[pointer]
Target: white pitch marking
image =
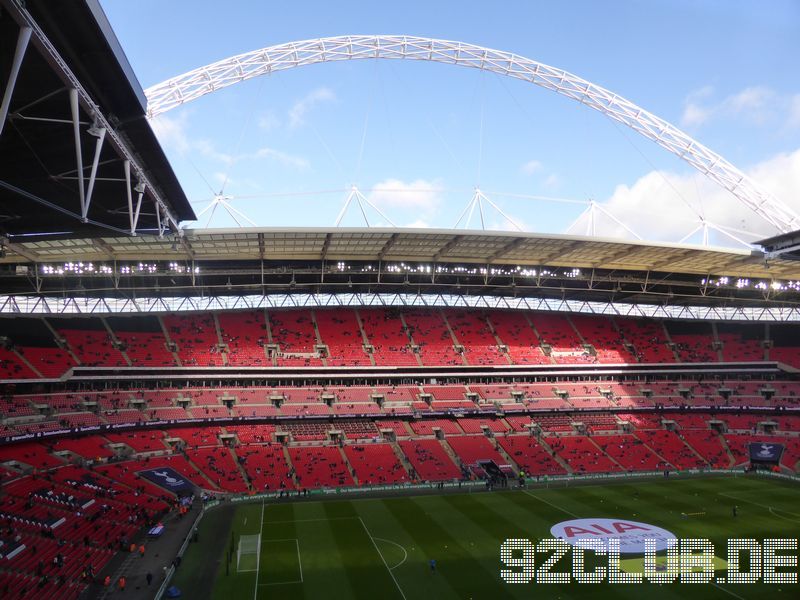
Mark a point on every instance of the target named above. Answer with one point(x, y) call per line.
point(405, 554)
point(551, 504)
point(299, 562)
point(258, 554)
point(757, 504)
point(719, 587)
point(312, 520)
point(378, 550)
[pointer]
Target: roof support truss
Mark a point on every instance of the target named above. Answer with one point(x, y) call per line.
point(80, 100)
point(16, 305)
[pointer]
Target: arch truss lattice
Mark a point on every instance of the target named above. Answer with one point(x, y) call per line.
point(221, 74)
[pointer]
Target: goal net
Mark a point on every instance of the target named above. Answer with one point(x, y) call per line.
point(248, 553)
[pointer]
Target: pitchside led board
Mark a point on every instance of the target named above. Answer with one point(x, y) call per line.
point(169, 479)
point(767, 454)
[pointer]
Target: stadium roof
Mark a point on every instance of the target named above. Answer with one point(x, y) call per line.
point(74, 81)
point(411, 245)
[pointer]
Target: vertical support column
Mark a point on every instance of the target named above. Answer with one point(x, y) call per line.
point(22, 45)
point(101, 135)
point(76, 130)
point(127, 166)
point(161, 229)
point(139, 189)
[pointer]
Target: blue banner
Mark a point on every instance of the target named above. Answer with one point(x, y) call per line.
point(765, 452)
point(169, 479)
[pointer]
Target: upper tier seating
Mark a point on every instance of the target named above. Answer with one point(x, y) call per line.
point(604, 338)
point(93, 347)
point(386, 333)
point(146, 348)
point(739, 347)
point(556, 331)
point(13, 367)
point(294, 333)
point(339, 330)
point(472, 331)
point(245, 334)
point(649, 339)
point(387, 336)
point(50, 362)
point(431, 334)
point(514, 330)
point(196, 337)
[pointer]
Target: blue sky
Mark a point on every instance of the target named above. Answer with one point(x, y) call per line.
point(418, 138)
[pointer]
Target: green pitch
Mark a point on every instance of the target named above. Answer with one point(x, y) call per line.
point(380, 548)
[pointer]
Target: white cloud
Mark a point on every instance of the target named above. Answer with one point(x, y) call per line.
point(531, 167)
point(221, 178)
point(552, 181)
point(268, 121)
point(418, 224)
point(288, 160)
point(419, 194)
point(173, 134)
point(758, 105)
point(794, 112)
point(419, 200)
point(207, 148)
point(694, 113)
point(664, 206)
point(299, 110)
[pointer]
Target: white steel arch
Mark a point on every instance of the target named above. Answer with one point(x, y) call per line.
point(199, 82)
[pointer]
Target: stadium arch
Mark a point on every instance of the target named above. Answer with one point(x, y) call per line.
point(184, 88)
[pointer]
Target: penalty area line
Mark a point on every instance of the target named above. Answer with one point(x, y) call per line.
point(378, 550)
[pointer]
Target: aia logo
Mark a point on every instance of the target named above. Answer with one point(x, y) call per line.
point(631, 534)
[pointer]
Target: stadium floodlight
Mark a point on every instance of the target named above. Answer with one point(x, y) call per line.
point(221, 74)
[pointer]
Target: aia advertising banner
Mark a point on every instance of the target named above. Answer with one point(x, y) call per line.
point(169, 479)
point(765, 452)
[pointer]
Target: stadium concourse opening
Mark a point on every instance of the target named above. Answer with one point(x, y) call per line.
point(348, 413)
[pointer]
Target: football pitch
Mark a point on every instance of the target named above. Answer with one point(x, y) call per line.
point(381, 548)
